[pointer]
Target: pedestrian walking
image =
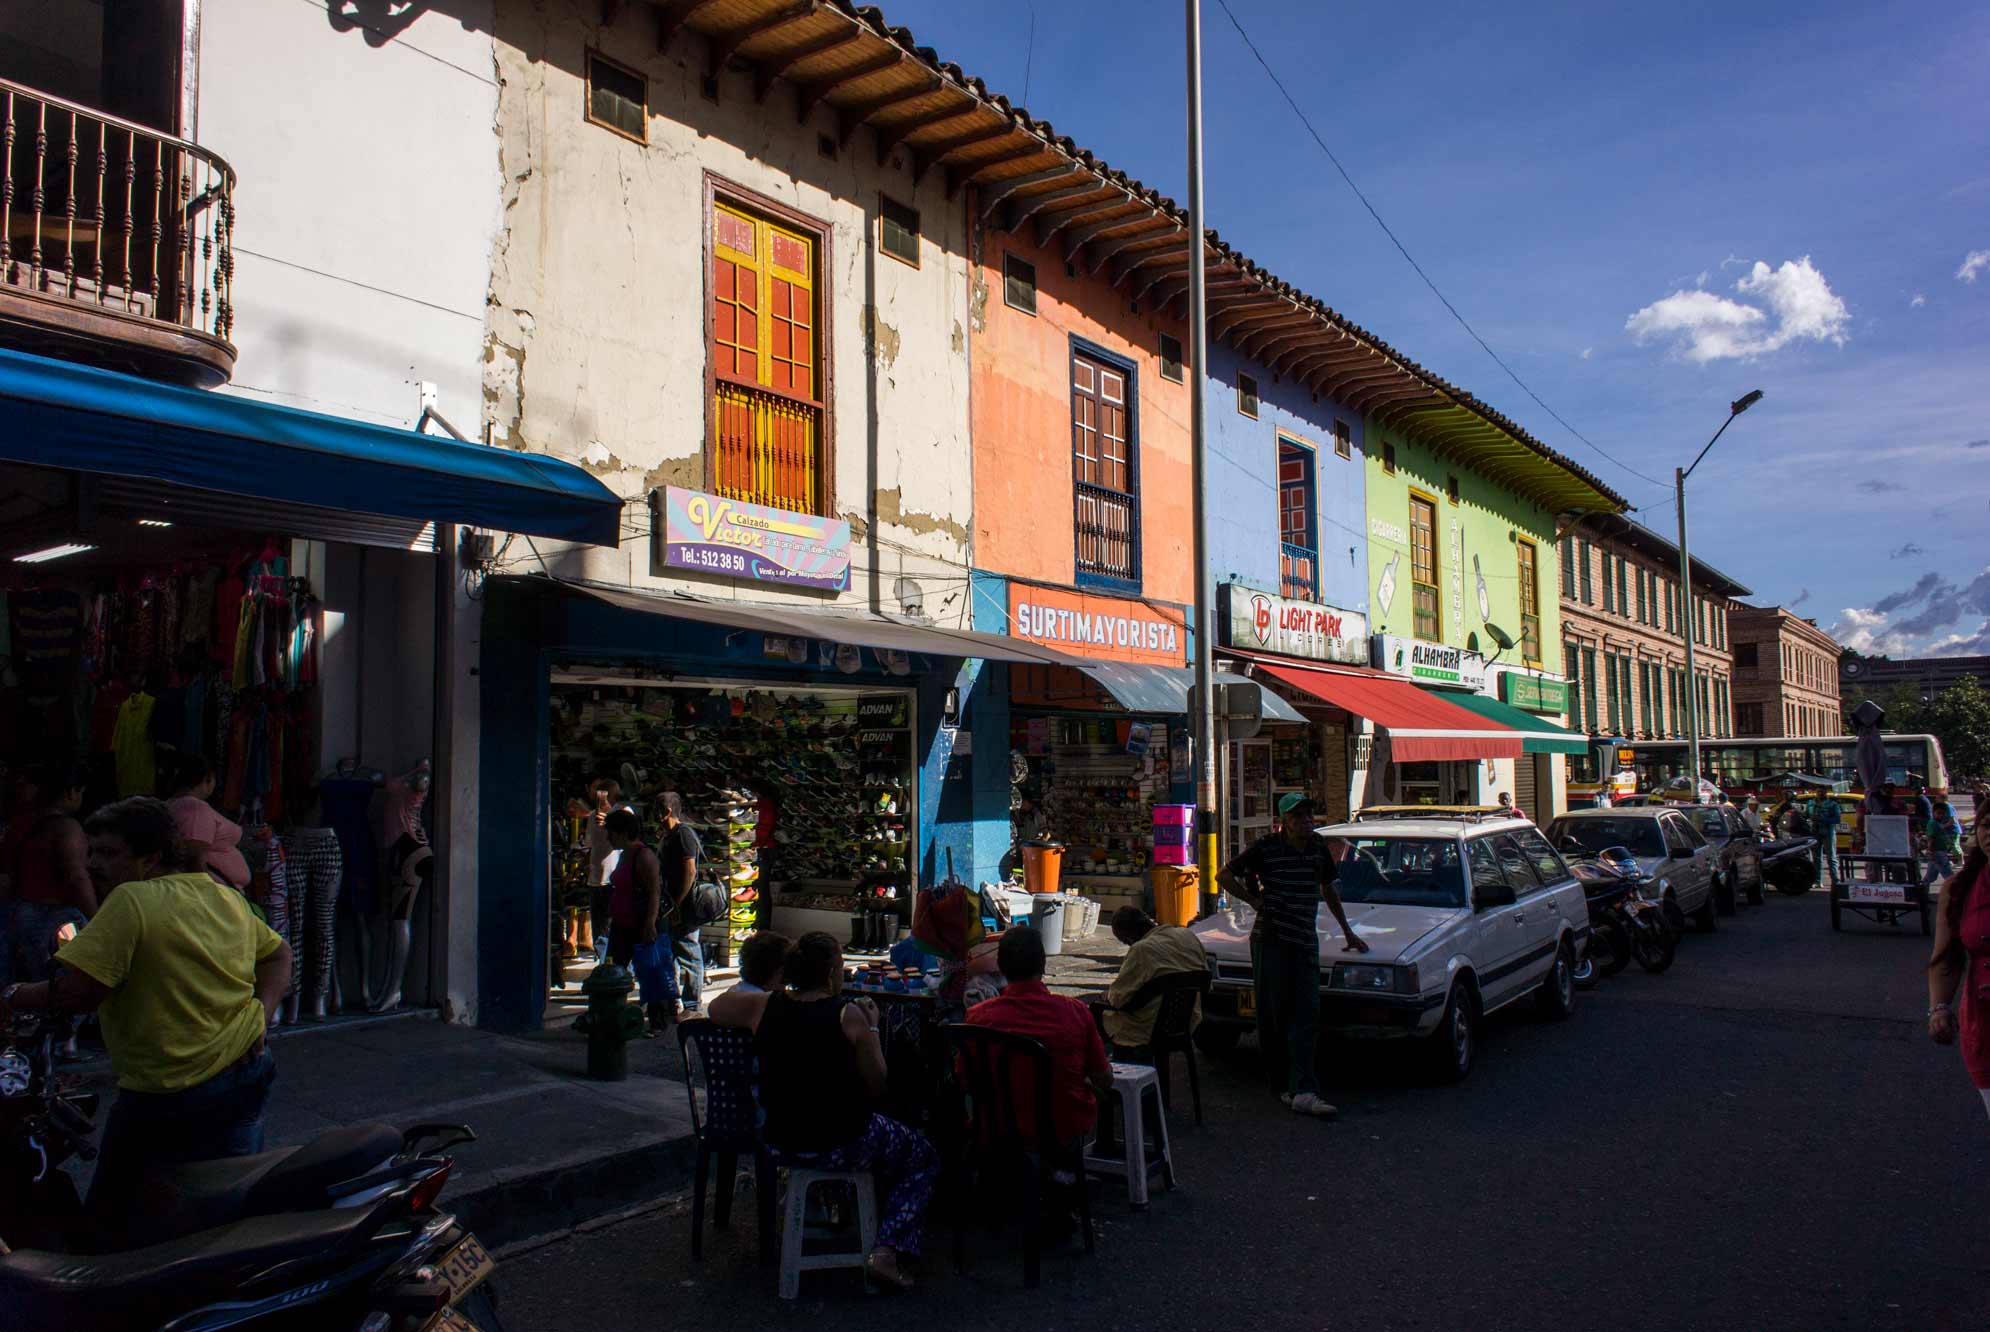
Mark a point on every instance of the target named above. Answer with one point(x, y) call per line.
point(1944, 843)
point(1961, 959)
point(680, 850)
point(635, 923)
point(185, 980)
point(1285, 877)
point(1825, 816)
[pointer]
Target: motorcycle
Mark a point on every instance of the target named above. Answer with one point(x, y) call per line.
point(341, 1234)
point(1624, 924)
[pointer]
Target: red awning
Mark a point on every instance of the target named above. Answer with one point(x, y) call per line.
point(1422, 727)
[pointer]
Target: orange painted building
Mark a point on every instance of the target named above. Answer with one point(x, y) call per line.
point(1081, 443)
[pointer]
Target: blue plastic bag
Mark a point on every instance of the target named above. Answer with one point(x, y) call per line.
point(651, 962)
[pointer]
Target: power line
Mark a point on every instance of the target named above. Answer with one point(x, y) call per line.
point(1411, 259)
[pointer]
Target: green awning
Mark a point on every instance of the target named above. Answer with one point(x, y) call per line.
point(1538, 735)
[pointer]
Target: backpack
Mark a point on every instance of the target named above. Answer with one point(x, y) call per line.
point(705, 903)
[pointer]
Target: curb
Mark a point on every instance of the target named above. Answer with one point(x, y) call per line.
point(538, 1202)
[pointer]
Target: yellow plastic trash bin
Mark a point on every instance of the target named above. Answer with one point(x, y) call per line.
point(1176, 890)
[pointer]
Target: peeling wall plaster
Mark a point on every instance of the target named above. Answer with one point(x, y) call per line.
point(596, 339)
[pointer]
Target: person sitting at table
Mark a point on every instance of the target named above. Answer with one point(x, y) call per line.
point(1080, 1076)
point(1152, 951)
point(761, 958)
point(821, 1068)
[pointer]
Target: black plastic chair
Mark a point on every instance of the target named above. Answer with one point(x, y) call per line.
point(1174, 1025)
point(996, 1139)
point(720, 1061)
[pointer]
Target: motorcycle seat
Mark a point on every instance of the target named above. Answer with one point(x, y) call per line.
point(181, 1199)
point(142, 1288)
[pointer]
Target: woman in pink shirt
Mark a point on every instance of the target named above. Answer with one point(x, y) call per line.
point(215, 841)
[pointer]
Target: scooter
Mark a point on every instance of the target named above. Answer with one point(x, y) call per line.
point(1624, 924)
point(343, 1233)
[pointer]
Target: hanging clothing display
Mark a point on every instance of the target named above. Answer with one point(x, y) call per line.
point(131, 742)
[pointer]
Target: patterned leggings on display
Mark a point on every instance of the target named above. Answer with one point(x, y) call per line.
point(316, 867)
point(285, 912)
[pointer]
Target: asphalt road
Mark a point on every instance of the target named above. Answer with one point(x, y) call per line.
point(1761, 1138)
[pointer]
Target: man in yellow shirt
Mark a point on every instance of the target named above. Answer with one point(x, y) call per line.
point(1151, 951)
point(184, 979)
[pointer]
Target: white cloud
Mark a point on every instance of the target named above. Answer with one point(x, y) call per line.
point(1587, 352)
point(1918, 301)
point(1780, 306)
point(1973, 263)
point(1703, 279)
point(1865, 631)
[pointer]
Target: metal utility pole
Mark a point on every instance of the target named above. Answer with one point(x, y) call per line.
point(1679, 475)
point(1207, 811)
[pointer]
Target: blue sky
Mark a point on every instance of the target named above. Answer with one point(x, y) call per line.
point(1594, 186)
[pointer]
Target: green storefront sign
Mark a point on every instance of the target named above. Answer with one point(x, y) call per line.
point(1534, 693)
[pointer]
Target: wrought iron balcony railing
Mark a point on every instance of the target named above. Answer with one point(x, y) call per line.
point(1107, 529)
point(1298, 572)
point(116, 241)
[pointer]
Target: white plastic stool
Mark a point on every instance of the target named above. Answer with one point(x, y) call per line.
point(1132, 1085)
point(794, 1212)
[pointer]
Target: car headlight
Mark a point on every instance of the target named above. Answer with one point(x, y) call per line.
point(1365, 976)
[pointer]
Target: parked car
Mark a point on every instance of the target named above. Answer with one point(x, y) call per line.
point(1463, 914)
point(1667, 846)
point(1738, 872)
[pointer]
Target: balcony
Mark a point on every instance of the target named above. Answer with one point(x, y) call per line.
point(1298, 572)
point(1106, 525)
point(116, 242)
point(767, 448)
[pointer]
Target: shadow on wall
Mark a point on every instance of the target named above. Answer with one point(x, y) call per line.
point(381, 21)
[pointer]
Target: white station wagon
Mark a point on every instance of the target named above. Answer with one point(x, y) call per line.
point(1463, 912)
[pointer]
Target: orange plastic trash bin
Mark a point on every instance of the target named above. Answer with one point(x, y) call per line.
point(1043, 863)
point(1176, 890)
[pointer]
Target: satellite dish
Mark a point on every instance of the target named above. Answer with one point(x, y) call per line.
point(1499, 636)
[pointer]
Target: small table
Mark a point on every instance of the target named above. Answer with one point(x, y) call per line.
point(1889, 889)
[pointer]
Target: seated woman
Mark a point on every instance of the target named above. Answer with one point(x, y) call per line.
point(821, 1067)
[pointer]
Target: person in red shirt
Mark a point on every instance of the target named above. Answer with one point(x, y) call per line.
point(1080, 1076)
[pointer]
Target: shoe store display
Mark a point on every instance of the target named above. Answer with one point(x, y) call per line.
point(835, 828)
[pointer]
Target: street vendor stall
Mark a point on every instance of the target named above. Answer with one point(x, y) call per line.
point(1882, 882)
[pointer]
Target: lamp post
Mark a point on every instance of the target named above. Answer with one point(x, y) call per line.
point(1734, 409)
point(1205, 593)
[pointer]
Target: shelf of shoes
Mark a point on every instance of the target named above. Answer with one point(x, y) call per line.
point(843, 811)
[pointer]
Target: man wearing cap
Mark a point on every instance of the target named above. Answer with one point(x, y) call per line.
point(1285, 877)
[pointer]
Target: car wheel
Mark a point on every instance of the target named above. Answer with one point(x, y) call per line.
point(1217, 1038)
point(1556, 997)
point(1455, 1043)
point(1703, 919)
point(1724, 895)
point(1675, 919)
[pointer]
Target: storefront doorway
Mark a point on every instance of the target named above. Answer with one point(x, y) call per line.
point(805, 799)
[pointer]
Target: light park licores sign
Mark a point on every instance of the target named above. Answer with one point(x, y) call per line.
point(1260, 622)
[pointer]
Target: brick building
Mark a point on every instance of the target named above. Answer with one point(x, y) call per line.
point(1785, 674)
point(1623, 620)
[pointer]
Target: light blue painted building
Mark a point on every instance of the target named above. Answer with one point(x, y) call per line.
point(1293, 468)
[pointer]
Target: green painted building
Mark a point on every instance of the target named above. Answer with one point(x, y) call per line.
point(1462, 559)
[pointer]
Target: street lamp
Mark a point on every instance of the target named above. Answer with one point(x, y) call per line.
point(1734, 409)
point(1206, 794)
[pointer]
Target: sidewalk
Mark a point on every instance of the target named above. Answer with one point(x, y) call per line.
point(553, 1149)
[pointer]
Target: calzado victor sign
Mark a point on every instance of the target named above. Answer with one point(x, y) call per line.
point(1262, 622)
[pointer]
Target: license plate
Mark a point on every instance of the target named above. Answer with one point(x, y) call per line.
point(1890, 894)
point(463, 1267)
point(1247, 1003)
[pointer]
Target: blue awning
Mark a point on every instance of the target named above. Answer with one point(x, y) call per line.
point(1163, 690)
point(54, 414)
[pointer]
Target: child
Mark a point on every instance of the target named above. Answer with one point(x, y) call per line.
point(215, 841)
